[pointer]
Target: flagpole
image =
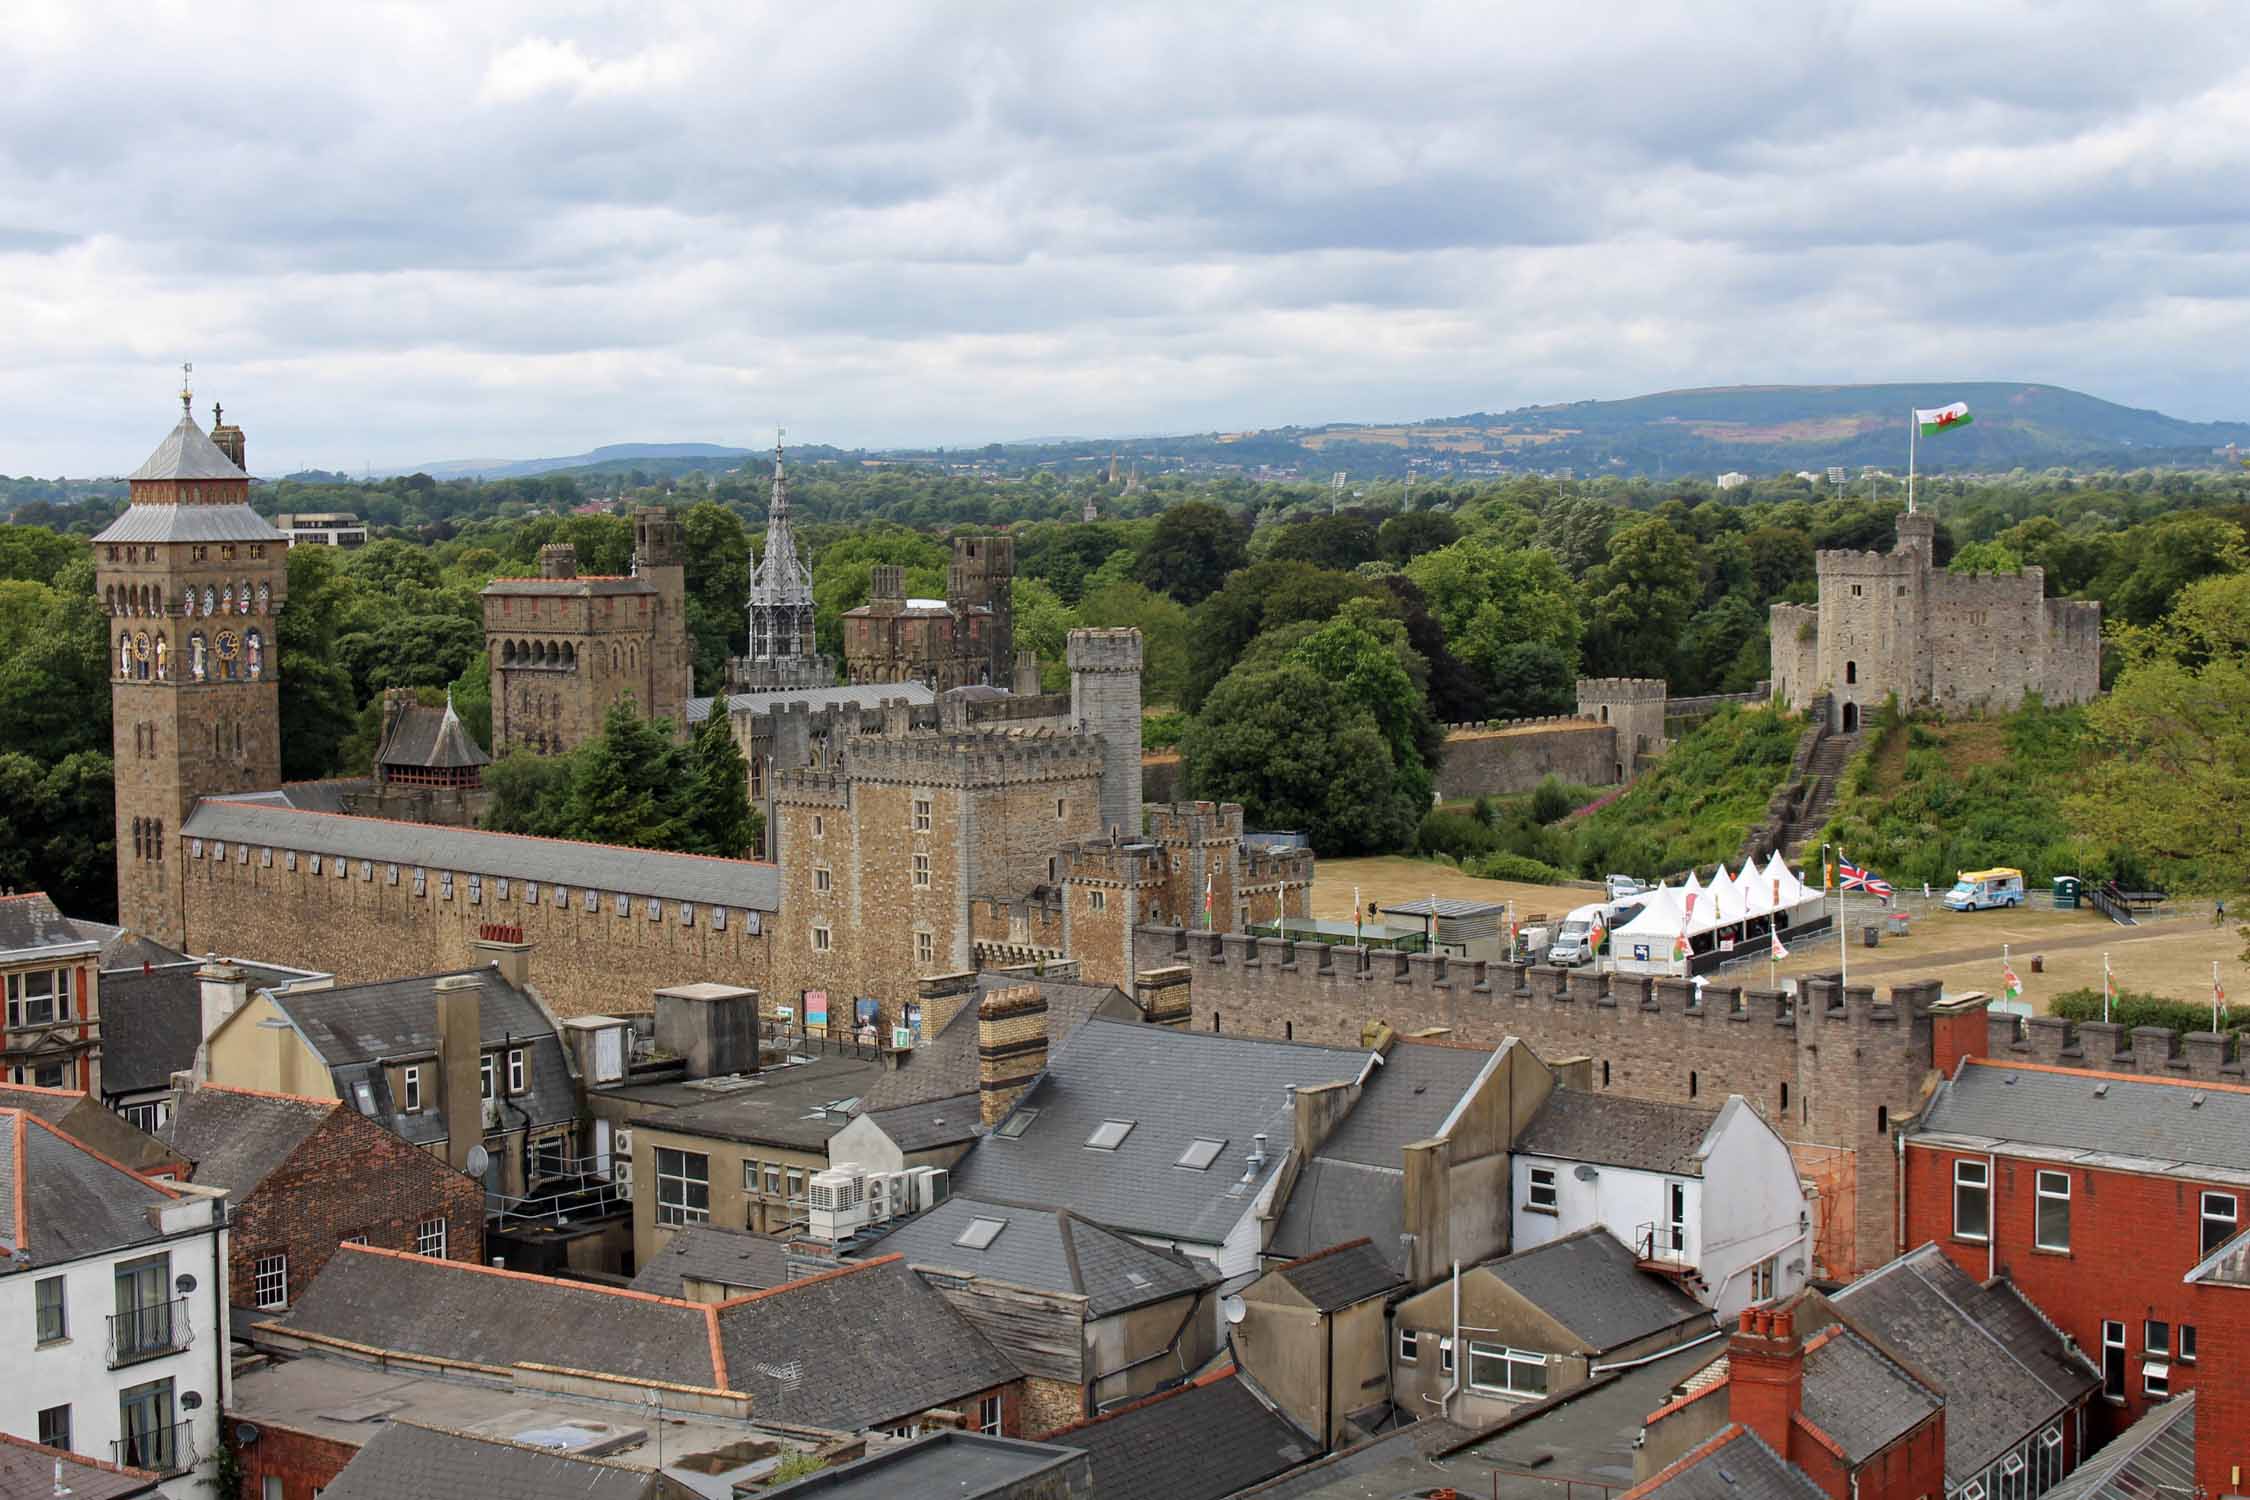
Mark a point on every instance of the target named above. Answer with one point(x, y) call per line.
point(1913, 431)
point(2105, 989)
point(2214, 994)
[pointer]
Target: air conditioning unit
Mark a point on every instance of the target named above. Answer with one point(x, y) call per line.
point(621, 1163)
point(879, 1202)
point(837, 1203)
point(932, 1186)
point(491, 1114)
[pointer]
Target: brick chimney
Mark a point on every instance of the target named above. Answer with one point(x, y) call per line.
point(1766, 1374)
point(942, 996)
point(501, 945)
point(1011, 1048)
point(460, 1049)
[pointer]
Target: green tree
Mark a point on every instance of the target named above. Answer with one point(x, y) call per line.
point(59, 834)
point(1363, 653)
point(1255, 600)
point(2165, 557)
point(1163, 624)
point(1195, 546)
point(2171, 777)
point(1281, 740)
point(1043, 625)
point(1984, 557)
point(1528, 679)
point(1642, 598)
point(36, 554)
point(1341, 542)
point(625, 783)
point(718, 818)
point(530, 793)
point(1406, 537)
point(54, 679)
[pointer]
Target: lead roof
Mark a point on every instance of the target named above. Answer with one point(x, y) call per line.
point(186, 453)
point(604, 868)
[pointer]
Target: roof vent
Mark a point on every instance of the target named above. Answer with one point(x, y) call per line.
point(2195, 1100)
point(2101, 1091)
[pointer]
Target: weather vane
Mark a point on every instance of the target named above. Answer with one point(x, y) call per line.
point(187, 395)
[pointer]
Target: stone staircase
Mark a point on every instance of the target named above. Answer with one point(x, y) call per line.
point(1822, 773)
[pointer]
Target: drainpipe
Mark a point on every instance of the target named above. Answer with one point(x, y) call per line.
point(1991, 1213)
point(219, 1304)
point(1898, 1238)
point(1460, 1355)
point(1328, 1386)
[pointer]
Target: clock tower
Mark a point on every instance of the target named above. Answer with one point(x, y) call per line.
point(191, 579)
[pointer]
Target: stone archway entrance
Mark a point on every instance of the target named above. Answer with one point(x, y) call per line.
point(1851, 718)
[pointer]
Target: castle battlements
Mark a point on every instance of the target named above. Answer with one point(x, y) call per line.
point(1185, 823)
point(1109, 649)
point(1622, 689)
point(2107, 1047)
point(967, 759)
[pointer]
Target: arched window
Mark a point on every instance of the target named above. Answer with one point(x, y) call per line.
point(124, 653)
point(199, 658)
point(265, 598)
point(148, 601)
point(632, 656)
point(140, 846)
point(1851, 671)
point(156, 599)
point(507, 653)
point(616, 659)
point(570, 657)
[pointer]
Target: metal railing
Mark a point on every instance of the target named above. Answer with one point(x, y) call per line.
point(148, 1332)
point(584, 1187)
point(168, 1449)
point(1653, 1242)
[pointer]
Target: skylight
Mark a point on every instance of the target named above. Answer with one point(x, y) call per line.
point(1200, 1154)
point(1110, 1134)
point(1016, 1124)
point(981, 1233)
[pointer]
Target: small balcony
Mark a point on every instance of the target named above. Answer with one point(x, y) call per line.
point(149, 1332)
point(163, 1450)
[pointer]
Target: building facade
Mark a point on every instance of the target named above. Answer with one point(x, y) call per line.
point(191, 579)
point(565, 648)
point(50, 972)
point(966, 639)
point(1894, 624)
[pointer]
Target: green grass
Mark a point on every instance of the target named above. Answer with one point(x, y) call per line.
point(1699, 804)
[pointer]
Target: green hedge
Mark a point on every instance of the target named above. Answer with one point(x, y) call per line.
point(2132, 1008)
point(1506, 866)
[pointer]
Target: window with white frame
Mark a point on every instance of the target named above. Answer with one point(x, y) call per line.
point(1500, 1370)
point(749, 1174)
point(823, 879)
point(148, 1117)
point(921, 815)
point(1445, 1356)
point(1972, 1200)
point(1409, 1346)
point(683, 1186)
point(2156, 1380)
point(1542, 1192)
point(820, 940)
point(2219, 1213)
point(2051, 1226)
point(2187, 1343)
point(2113, 1360)
point(922, 870)
point(796, 1177)
point(484, 1076)
point(1762, 1278)
point(410, 1089)
point(2156, 1338)
point(519, 1070)
point(429, 1238)
point(773, 1179)
point(270, 1283)
point(988, 1415)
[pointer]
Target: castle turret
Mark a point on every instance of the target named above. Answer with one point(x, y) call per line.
point(1105, 699)
point(781, 650)
point(659, 558)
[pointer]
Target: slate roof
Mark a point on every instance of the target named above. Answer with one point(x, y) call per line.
point(606, 868)
point(1335, 1201)
point(1735, 1465)
point(864, 694)
point(28, 1469)
point(944, 1463)
point(386, 1299)
point(190, 523)
point(586, 583)
point(31, 922)
point(1407, 1099)
point(936, 1122)
point(2004, 1369)
point(1588, 1282)
point(2152, 1458)
point(352, 1028)
point(430, 1464)
point(855, 1348)
point(1197, 1442)
point(430, 739)
point(2158, 1122)
point(186, 453)
point(236, 1138)
point(945, 1063)
point(60, 1202)
point(1050, 1249)
point(1342, 1276)
point(152, 1020)
point(92, 1124)
point(1858, 1396)
point(1611, 1130)
point(715, 1253)
point(1175, 1087)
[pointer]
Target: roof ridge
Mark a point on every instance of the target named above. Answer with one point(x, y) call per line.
point(482, 1270)
point(2010, 1064)
point(327, 1105)
point(1813, 1430)
point(103, 1157)
point(1688, 1460)
point(1213, 1378)
point(34, 1088)
point(25, 896)
point(1318, 1254)
point(244, 800)
point(22, 1211)
point(803, 1281)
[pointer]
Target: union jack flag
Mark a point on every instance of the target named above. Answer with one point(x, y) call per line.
point(1858, 879)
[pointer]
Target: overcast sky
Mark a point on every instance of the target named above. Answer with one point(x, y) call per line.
point(395, 233)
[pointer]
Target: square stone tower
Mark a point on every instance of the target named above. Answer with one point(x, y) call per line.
point(1105, 699)
point(191, 579)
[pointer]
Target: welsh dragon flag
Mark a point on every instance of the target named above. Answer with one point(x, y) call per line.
point(1942, 418)
point(2010, 987)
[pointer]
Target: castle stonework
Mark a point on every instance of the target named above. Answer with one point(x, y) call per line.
point(564, 648)
point(1892, 623)
point(966, 639)
point(1105, 700)
point(1634, 707)
point(191, 579)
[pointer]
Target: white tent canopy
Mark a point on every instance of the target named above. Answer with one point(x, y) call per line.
point(1730, 906)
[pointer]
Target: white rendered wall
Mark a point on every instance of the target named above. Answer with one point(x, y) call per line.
point(1753, 1207)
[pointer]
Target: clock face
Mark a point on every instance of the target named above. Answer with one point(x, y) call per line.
point(140, 647)
point(230, 645)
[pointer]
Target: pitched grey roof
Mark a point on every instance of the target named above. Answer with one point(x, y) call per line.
point(2153, 1457)
point(186, 453)
point(190, 523)
point(2156, 1121)
point(1339, 1277)
point(864, 694)
point(856, 1348)
point(31, 922)
point(607, 868)
point(152, 1019)
point(1050, 1249)
point(714, 1253)
point(1859, 1397)
point(404, 1459)
point(1739, 1467)
point(430, 739)
point(2005, 1371)
point(1176, 1087)
point(1407, 1099)
point(1588, 1282)
point(388, 1300)
point(953, 1463)
point(353, 1027)
point(72, 1203)
point(1195, 1443)
point(1613, 1131)
point(1335, 1201)
point(945, 1064)
point(236, 1138)
point(932, 1123)
point(28, 1469)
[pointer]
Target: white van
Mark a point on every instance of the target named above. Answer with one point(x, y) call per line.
point(1975, 890)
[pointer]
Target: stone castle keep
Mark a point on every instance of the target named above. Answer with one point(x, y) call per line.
point(1891, 622)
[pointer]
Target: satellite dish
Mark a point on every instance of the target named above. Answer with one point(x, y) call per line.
point(1233, 1308)
point(191, 1400)
point(245, 1434)
point(183, 1284)
point(480, 1160)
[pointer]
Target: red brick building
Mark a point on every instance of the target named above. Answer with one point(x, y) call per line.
point(305, 1175)
point(2116, 1202)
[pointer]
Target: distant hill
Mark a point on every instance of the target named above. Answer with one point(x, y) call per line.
point(619, 456)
